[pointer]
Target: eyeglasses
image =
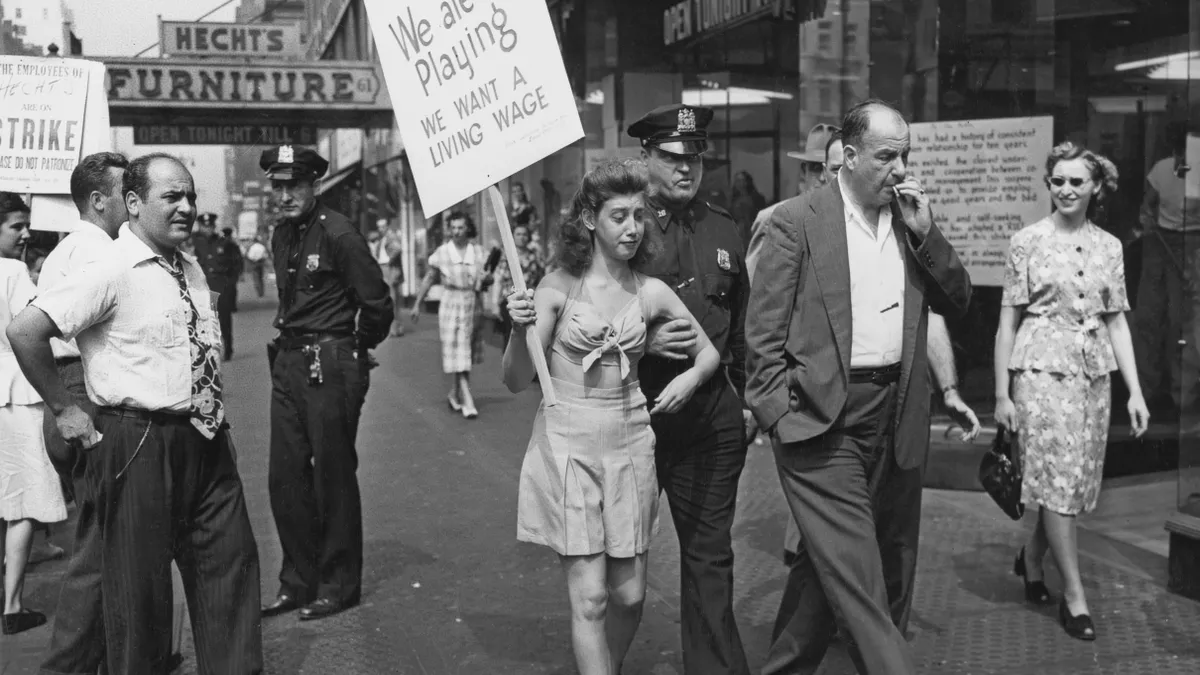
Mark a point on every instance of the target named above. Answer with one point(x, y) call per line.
point(1059, 181)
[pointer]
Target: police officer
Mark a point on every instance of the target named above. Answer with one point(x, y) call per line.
point(333, 307)
point(220, 259)
point(702, 448)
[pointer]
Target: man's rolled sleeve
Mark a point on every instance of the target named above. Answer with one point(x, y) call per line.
point(364, 278)
point(769, 314)
point(82, 298)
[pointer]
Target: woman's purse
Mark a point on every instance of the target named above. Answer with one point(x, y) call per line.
point(1000, 474)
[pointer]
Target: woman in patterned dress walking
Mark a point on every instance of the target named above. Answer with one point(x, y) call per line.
point(458, 266)
point(1062, 331)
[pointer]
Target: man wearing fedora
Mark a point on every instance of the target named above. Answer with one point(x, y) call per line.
point(820, 161)
point(702, 448)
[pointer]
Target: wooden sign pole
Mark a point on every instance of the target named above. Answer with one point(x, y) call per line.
point(532, 341)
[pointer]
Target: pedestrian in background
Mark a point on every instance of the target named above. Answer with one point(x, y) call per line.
point(235, 249)
point(532, 268)
point(701, 448)
point(151, 356)
point(385, 248)
point(333, 308)
point(458, 266)
point(746, 202)
point(77, 643)
point(1062, 331)
point(29, 487)
point(220, 259)
point(588, 488)
point(838, 361)
point(257, 256)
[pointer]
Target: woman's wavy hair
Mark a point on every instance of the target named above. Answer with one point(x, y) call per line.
point(1104, 172)
point(472, 232)
point(616, 178)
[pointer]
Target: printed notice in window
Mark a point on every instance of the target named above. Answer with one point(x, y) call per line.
point(985, 182)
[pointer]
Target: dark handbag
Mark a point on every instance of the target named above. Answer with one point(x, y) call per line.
point(1000, 474)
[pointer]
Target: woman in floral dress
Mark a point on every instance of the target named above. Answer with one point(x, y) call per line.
point(1062, 331)
point(458, 265)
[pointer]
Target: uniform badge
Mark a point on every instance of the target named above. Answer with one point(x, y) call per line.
point(723, 259)
point(287, 155)
point(687, 121)
point(313, 262)
point(662, 213)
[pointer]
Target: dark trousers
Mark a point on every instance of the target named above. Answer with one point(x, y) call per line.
point(841, 488)
point(700, 454)
point(314, 489)
point(258, 271)
point(77, 643)
point(164, 492)
point(1166, 320)
point(225, 306)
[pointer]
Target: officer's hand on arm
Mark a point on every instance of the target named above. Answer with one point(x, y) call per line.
point(671, 340)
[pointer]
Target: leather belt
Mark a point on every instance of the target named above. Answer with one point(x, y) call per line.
point(67, 360)
point(301, 340)
point(880, 375)
point(141, 415)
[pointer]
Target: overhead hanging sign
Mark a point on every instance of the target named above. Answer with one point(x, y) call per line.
point(224, 134)
point(484, 88)
point(984, 179)
point(42, 105)
point(189, 38)
point(206, 83)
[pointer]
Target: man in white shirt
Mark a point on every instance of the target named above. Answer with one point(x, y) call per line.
point(77, 644)
point(257, 255)
point(837, 355)
point(160, 464)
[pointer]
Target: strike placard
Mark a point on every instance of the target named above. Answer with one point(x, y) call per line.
point(481, 90)
point(984, 181)
point(41, 122)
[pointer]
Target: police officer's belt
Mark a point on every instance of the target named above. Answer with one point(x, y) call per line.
point(881, 375)
point(302, 340)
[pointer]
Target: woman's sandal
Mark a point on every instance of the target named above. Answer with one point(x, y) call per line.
point(1035, 591)
point(21, 621)
point(453, 402)
point(1079, 627)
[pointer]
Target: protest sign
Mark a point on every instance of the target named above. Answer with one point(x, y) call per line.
point(984, 179)
point(41, 122)
point(480, 90)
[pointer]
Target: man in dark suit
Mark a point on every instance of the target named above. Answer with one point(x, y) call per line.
point(838, 373)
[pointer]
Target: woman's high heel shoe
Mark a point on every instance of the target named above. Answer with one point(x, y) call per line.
point(1035, 591)
point(1079, 627)
point(469, 411)
point(453, 403)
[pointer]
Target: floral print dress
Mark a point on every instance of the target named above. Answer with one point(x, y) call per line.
point(1061, 360)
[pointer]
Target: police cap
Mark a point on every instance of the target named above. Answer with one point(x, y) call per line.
point(287, 162)
point(677, 129)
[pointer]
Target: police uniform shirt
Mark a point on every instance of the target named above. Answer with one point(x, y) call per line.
point(703, 260)
point(326, 276)
point(217, 256)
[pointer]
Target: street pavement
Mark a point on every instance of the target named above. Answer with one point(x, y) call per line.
point(449, 590)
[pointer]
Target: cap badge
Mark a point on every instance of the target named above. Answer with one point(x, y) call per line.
point(313, 262)
point(286, 154)
point(687, 121)
point(723, 259)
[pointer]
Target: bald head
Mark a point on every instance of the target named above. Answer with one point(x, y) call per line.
point(875, 145)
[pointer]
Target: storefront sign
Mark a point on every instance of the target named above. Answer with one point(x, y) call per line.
point(984, 179)
point(690, 20)
point(203, 83)
point(484, 88)
point(181, 38)
point(223, 134)
point(41, 122)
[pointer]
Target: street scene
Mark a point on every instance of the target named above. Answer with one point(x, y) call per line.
point(786, 337)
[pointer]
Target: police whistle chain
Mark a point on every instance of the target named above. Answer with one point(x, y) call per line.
point(532, 341)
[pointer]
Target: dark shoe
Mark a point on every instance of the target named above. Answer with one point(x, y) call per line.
point(322, 608)
point(1079, 627)
point(283, 603)
point(1035, 591)
point(174, 661)
point(22, 621)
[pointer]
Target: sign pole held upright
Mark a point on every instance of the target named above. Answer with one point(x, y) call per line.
point(537, 352)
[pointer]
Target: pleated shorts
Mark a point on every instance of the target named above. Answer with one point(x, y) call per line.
point(588, 482)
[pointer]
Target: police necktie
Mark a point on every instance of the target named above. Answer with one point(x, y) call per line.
point(207, 410)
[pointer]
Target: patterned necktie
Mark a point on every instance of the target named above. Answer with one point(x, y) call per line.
point(206, 409)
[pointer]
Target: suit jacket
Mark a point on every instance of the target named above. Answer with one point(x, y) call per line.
point(798, 327)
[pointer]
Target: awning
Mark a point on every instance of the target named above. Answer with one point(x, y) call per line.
point(330, 182)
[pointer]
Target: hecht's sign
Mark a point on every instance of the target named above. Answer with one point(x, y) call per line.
point(181, 38)
point(203, 83)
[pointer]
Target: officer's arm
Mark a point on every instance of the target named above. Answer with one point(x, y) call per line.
point(364, 279)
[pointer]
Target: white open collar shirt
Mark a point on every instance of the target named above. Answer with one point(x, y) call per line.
point(876, 287)
point(131, 324)
point(86, 244)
